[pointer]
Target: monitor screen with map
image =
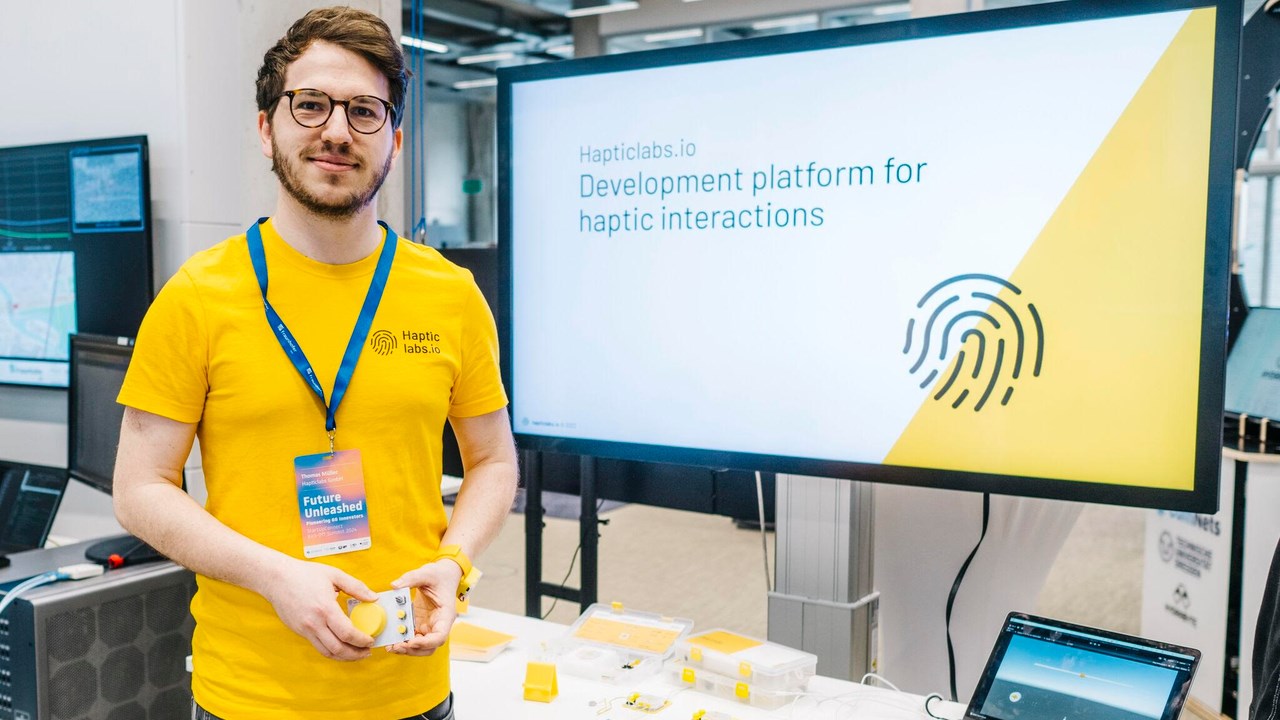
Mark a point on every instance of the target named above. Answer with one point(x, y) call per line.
point(75, 251)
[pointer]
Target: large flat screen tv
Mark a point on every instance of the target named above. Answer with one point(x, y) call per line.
point(75, 251)
point(984, 252)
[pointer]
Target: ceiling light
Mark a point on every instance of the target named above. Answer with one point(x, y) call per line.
point(602, 9)
point(687, 34)
point(484, 58)
point(893, 9)
point(562, 50)
point(473, 84)
point(785, 22)
point(427, 45)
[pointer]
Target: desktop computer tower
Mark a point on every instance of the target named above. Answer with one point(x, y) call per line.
point(108, 648)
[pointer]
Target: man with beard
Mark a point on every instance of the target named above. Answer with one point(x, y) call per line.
point(321, 445)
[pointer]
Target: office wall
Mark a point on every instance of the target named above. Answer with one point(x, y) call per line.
point(86, 82)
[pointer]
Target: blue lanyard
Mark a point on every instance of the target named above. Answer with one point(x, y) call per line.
point(358, 335)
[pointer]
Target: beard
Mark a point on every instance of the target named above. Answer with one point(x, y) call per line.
point(287, 170)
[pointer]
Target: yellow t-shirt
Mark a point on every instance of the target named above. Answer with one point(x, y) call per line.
point(206, 355)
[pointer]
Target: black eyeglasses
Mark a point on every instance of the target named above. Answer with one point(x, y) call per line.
point(312, 108)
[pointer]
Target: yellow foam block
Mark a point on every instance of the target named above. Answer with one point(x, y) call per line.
point(540, 682)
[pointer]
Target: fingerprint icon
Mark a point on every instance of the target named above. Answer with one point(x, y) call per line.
point(982, 343)
point(383, 342)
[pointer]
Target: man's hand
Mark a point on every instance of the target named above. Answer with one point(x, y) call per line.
point(305, 595)
point(434, 605)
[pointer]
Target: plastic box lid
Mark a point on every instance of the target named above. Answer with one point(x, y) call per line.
point(633, 632)
point(766, 665)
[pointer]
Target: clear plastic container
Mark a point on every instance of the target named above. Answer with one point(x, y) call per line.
point(762, 664)
point(610, 643)
point(729, 688)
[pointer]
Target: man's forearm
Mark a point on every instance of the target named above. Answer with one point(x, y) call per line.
point(482, 506)
point(169, 520)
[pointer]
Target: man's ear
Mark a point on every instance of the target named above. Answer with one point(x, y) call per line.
point(264, 133)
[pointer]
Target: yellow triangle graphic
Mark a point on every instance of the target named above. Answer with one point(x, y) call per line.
point(1115, 401)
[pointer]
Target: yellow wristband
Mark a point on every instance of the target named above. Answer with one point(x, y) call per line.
point(470, 575)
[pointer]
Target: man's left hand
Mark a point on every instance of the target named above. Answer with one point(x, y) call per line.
point(434, 606)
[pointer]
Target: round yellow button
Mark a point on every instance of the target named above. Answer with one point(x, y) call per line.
point(369, 618)
point(402, 629)
point(400, 614)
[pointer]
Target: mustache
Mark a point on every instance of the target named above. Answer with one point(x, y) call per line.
point(328, 148)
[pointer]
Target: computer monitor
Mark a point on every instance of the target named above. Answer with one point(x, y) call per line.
point(985, 251)
point(75, 250)
point(98, 366)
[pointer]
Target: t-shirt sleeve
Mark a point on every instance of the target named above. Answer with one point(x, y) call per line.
point(169, 372)
point(478, 388)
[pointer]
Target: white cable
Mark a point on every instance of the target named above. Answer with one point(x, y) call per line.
point(881, 678)
point(764, 536)
point(79, 571)
point(24, 586)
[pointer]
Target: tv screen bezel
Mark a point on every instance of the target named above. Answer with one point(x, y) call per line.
point(1202, 498)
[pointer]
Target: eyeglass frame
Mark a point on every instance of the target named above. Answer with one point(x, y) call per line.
point(346, 109)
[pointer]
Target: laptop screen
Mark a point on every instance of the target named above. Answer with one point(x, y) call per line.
point(1043, 669)
point(29, 498)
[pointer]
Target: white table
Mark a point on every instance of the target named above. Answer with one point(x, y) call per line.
point(495, 689)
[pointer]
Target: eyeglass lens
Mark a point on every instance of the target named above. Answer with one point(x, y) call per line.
point(311, 108)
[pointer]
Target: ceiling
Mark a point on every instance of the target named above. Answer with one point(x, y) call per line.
point(462, 43)
point(515, 32)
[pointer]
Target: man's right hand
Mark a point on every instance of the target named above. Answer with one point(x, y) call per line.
point(305, 594)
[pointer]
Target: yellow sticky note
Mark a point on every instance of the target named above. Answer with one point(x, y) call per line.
point(725, 642)
point(476, 636)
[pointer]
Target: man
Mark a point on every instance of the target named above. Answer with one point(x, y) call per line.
point(277, 552)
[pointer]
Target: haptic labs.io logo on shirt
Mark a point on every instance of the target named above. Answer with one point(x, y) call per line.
point(415, 342)
point(1001, 341)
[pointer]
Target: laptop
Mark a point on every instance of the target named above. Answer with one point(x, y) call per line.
point(29, 498)
point(1043, 669)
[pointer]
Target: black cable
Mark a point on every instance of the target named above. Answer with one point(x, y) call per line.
point(928, 711)
point(128, 555)
point(955, 587)
point(564, 580)
point(572, 560)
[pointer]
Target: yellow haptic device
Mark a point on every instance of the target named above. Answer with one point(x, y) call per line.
point(387, 620)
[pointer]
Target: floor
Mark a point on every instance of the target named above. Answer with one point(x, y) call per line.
point(702, 567)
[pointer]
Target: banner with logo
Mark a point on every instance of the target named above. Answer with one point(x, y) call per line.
point(1186, 572)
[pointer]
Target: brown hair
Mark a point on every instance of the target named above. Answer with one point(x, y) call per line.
point(356, 30)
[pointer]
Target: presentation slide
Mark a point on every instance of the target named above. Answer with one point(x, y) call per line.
point(976, 252)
